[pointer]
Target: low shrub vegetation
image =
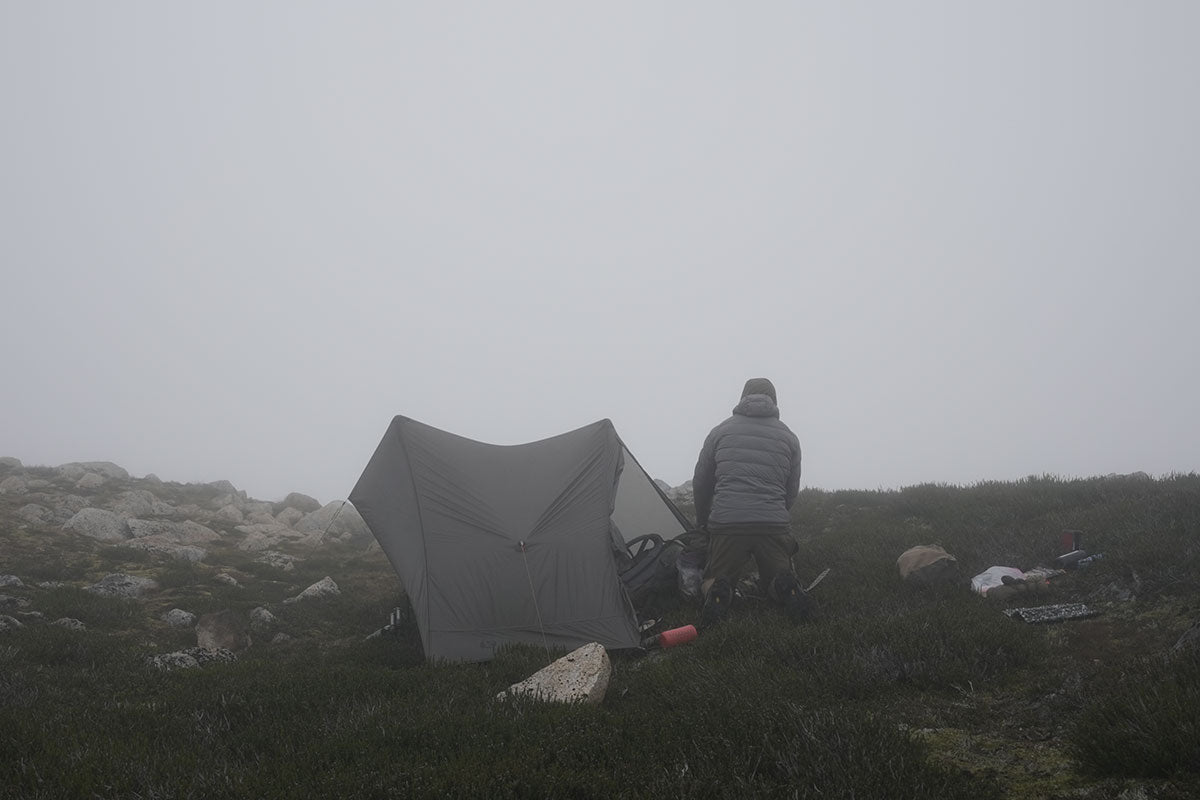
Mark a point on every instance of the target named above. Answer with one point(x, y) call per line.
point(894, 691)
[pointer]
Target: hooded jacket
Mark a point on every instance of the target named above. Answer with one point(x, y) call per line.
point(748, 472)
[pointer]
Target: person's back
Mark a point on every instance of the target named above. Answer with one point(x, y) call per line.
point(746, 479)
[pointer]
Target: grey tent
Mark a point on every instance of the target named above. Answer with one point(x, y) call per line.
point(497, 544)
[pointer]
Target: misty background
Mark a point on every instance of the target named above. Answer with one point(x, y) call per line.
point(961, 239)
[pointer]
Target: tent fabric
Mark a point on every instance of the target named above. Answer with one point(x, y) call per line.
point(499, 544)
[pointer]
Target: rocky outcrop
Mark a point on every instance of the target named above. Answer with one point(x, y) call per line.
point(11, 580)
point(580, 676)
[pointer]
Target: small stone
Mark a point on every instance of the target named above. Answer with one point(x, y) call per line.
point(262, 620)
point(10, 580)
point(228, 580)
point(178, 618)
point(70, 623)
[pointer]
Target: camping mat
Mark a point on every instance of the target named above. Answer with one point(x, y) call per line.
point(1052, 613)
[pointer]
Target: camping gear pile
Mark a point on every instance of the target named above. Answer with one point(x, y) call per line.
point(927, 565)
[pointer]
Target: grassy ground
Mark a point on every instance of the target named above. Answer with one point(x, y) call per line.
point(895, 692)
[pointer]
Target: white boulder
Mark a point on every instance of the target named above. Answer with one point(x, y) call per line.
point(580, 676)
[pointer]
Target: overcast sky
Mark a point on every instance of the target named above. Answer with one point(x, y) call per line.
point(963, 239)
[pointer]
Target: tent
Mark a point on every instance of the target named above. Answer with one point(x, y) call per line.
point(497, 544)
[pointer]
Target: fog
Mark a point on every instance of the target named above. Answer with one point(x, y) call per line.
point(962, 239)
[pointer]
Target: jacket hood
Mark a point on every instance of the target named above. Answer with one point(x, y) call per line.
point(756, 405)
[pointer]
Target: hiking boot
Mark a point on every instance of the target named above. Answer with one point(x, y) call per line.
point(795, 601)
point(716, 603)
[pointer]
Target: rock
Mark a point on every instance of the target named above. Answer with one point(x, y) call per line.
point(256, 541)
point(258, 507)
point(10, 580)
point(580, 676)
point(70, 504)
point(122, 585)
point(99, 524)
point(10, 463)
point(264, 536)
point(191, 658)
point(90, 480)
point(70, 623)
point(50, 584)
point(8, 623)
point(289, 516)
point(228, 580)
point(36, 616)
point(261, 518)
point(274, 558)
point(179, 552)
point(225, 487)
point(106, 469)
point(12, 485)
point(186, 532)
point(227, 499)
point(222, 630)
point(140, 503)
point(682, 493)
point(38, 515)
point(262, 620)
point(338, 520)
point(322, 588)
point(71, 472)
point(178, 618)
point(153, 479)
point(300, 502)
point(180, 659)
point(280, 638)
point(8, 601)
point(231, 514)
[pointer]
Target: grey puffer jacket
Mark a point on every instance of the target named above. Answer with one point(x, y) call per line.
point(748, 472)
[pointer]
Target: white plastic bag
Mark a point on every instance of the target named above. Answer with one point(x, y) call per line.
point(992, 577)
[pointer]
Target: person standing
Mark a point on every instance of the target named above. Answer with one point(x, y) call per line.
point(747, 478)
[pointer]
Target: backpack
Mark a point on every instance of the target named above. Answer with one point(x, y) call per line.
point(649, 566)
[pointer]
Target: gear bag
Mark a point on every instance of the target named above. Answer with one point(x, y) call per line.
point(648, 566)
